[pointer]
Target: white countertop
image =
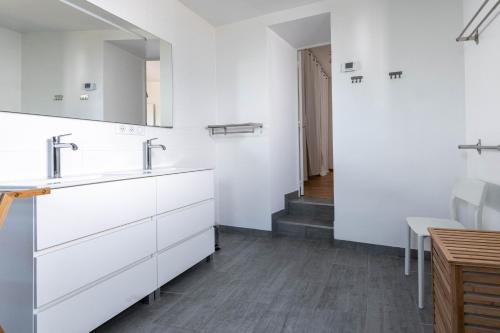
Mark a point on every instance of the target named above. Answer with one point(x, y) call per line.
point(70, 181)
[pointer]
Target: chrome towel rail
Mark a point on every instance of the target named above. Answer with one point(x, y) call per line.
point(474, 35)
point(234, 128)
point(479, 147)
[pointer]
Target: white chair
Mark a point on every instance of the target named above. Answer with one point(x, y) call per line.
point(469, 191)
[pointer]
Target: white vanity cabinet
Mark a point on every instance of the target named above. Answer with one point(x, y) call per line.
point(73, 259)
point(75, 212)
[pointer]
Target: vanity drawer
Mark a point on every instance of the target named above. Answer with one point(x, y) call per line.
point(64, 271)
point(178, 259)
point(180, 224)
point(180, 190)
point(75, 212)
point(91, 308)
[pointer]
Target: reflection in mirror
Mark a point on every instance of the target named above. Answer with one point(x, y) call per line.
point(57, 60)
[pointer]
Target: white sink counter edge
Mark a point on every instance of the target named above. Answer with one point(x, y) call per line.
point(88, 179)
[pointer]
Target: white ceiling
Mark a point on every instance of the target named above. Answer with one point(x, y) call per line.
point(145, 49)
point(45, 15)
point(306, 32)
point(220, 12)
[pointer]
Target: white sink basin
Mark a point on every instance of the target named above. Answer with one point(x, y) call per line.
point(95, 178)
point(72, 179)
point(142, 172)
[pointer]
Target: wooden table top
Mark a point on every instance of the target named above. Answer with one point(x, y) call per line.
point(468, 247)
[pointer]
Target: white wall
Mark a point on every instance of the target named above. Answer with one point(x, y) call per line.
point(58, 63)
point(255, 172)
point(10, 69)
point(23, 137)
point(153, 87)
point(257, 82)
point(394, 141)
point(482, 78)
point(124, 85)
point(283, 119)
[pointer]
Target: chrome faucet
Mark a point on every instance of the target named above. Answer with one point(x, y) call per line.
point(55, 146)
point(148, 146)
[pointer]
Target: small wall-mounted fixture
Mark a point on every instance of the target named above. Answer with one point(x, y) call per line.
point(58, 98)
point(89, 86)
point(474, 34)
point(395, 75)
point(349, 67)
point(479, 147)
point(84, 97)
point(356, 79)
point(235, 128)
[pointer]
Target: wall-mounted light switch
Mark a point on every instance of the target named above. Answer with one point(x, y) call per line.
point(89, 86)
point(125, 129)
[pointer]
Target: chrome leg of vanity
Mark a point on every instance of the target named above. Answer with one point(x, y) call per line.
point(157, 294)
point(149, 299)
point(217, 231)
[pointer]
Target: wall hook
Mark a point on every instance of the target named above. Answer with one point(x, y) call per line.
point(395, 75)
point(356, 79)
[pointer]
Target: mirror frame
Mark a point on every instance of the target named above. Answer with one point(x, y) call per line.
point(119, 23)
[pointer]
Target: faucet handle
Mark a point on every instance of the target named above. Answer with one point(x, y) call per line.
point(150, 140)
point(57, 138)
point(60, 136)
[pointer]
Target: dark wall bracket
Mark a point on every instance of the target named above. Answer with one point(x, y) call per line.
point(395, 75)
point(356, 79)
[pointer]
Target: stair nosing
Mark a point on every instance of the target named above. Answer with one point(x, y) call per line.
point(298, 202)
point(304, 224)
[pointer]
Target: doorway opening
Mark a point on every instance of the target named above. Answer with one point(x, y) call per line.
point(315, 123)
point(310, 214)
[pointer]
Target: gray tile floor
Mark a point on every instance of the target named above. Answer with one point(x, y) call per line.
point(286, 285)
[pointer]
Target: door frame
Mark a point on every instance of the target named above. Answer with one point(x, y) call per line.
point(300, 123)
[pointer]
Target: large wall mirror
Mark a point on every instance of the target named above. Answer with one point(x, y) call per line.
point(72, 59)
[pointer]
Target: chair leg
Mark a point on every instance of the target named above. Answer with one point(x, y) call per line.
point(421, 272)
point(407, 250)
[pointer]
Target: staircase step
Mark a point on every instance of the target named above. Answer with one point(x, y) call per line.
point(307, 221)
point(304, 227)
point(312, 208)
point(312, 201)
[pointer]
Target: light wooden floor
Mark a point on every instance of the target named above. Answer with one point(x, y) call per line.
point(319, 187)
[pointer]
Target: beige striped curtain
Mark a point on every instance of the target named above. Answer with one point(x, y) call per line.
point(316, 117)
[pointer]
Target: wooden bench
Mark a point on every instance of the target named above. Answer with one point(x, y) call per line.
point(465, 280)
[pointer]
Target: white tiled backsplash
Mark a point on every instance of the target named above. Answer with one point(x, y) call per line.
point(23, 146)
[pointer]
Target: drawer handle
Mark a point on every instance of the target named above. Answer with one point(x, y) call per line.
point(7, 198)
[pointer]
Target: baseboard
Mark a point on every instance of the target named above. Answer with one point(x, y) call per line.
point(290, 196)
point(371, 248)
point(381, 249)
point(244, 231)
point(275, 216)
